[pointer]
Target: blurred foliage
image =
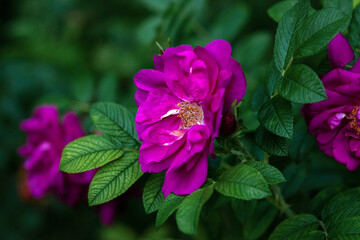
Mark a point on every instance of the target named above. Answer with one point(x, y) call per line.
point(75, 52)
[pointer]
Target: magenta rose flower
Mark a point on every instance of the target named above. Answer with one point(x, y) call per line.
point(47, 136)
point(181, 103)
point(335, 121)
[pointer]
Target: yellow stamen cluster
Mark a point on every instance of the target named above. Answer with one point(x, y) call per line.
point(190, 114)
point(353, 118)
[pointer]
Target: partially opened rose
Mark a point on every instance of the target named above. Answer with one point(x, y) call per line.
point(335, 121)
point(181, 103)
point(47, 136)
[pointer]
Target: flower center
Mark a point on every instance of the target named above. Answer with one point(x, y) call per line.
point(190, 114)
point(353, 120)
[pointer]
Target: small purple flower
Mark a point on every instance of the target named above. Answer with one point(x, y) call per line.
point(47, 136)
point(335, 121)
point(181, 103)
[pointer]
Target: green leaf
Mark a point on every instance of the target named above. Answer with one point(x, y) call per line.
point(187, 216)
point(89, 152)
point(345, 6)
point(354, 30)
point(320, 199)
point(347, 211)
point(244, 182)
point(273, 75)
point(347, 229)
point(345, 198)
point(301, 85)
point(289, 25)
point(295, 228)
point(279, 9)
point(152, 195)
point(168, 207)
point(114, 179)
point(271, 174)
point(315, 235)
point(270, 143)
point(318, 30)
point(277, 116)
point(115, 120)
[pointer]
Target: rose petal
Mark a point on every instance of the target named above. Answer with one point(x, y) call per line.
point(340, 52)
point(221, 50)
point(157, 104)
point(342, 152)
point(72, 127)
point(149, 79)
point(108, 212)
point(237, 86)
point(182, 181)
point(356, 67)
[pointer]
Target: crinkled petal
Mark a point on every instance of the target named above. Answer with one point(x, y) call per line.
point(354, 145)
point(326, 148)
point(159, 60)
point(211, 66)
point(319, 121)
point(149, 79)
point(182, 181)
point(40, 171)
point(340, 52)
point(158, 157)
point(72, 127)
point(140, 96)
point(221, 50)
point(237, 86)
point(197, 139)
point(342, 152)
point(158, 103)
point(342, 81)
point(177, 69)
point(356, 67)
point(164, 131)
point(335, 99)
point(198, 81)
point(213, 108)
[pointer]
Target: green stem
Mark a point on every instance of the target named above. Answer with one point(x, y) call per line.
point(288, 66)
point(244, 153)
point(279, 202)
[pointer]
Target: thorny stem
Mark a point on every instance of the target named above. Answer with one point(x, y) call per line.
point(323, 227)
point(278, 201)
point(244, 153)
